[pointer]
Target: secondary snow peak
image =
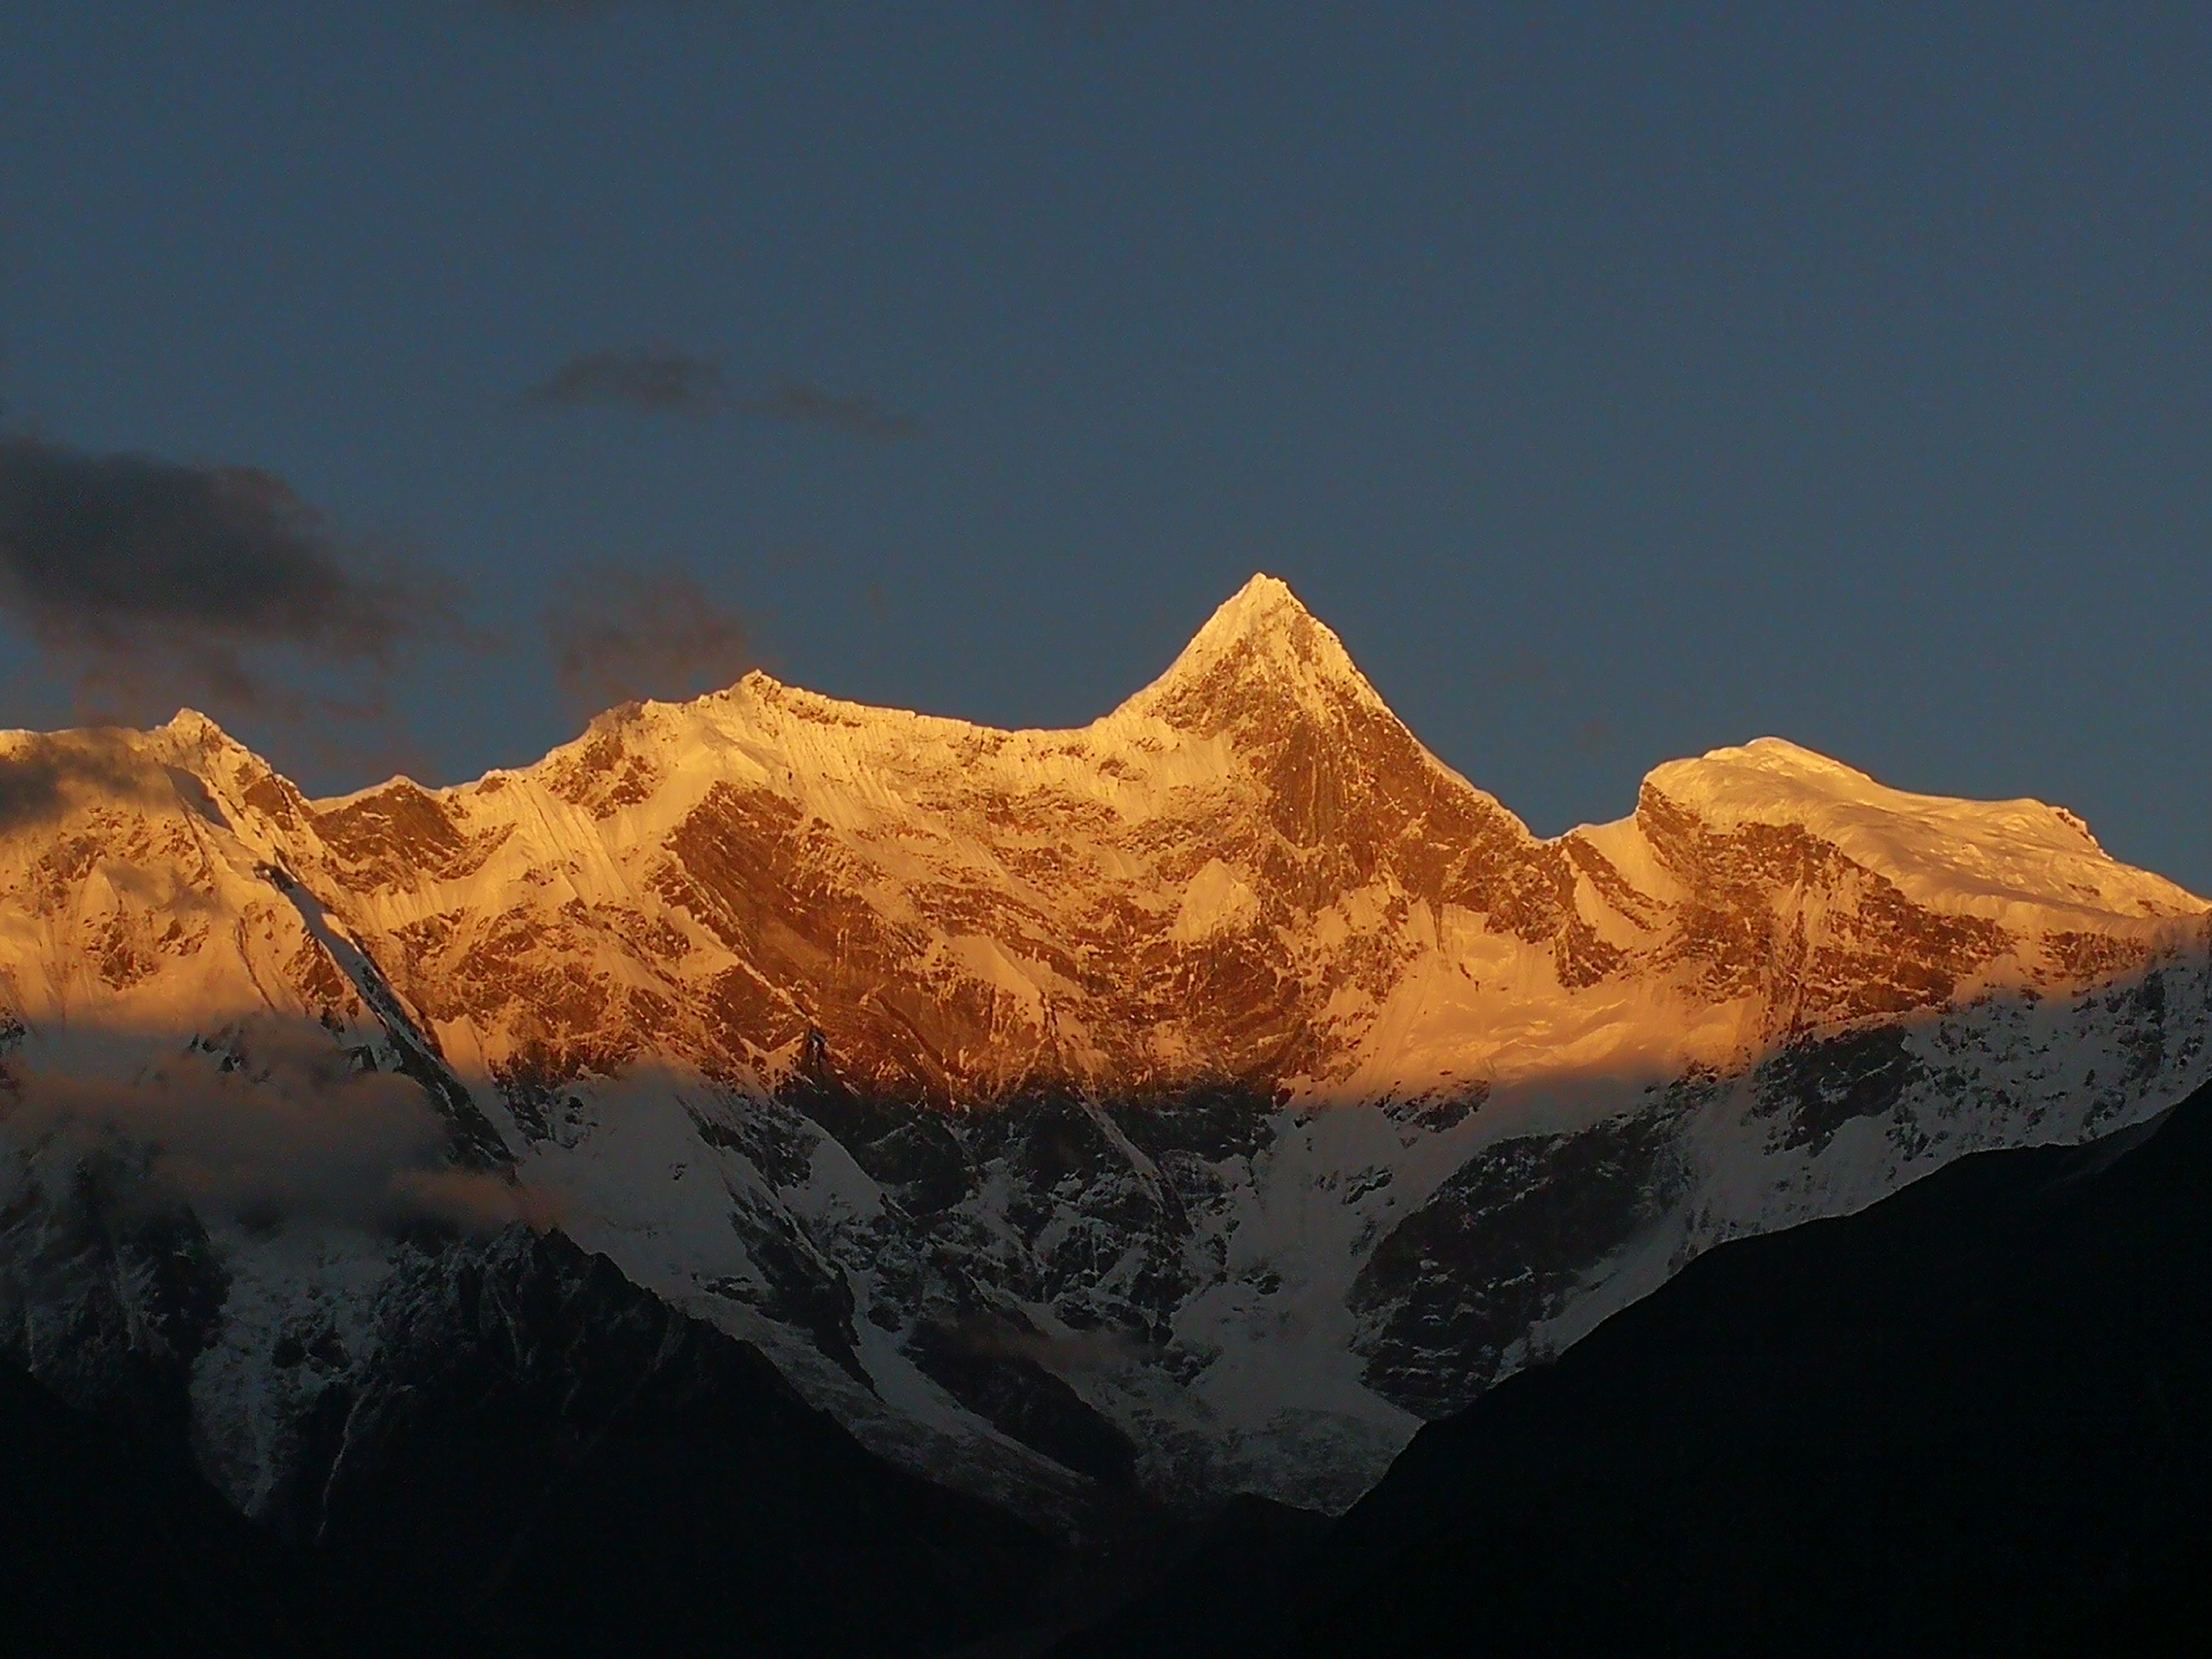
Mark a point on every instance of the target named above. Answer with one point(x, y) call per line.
point(2013, 859)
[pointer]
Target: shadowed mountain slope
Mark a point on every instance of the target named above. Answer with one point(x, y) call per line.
point(548, 1461)
point(1974, 1418)
point(109, 1547)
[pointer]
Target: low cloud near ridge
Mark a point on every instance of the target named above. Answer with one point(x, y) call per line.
point(278, 1125)
point(622, 637)
point(1077, 1351)
point(41, 774)
point(147, 583)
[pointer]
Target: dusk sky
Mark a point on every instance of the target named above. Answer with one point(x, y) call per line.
point(400, 381)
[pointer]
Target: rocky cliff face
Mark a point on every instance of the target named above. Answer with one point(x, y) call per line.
point(1193, 1102)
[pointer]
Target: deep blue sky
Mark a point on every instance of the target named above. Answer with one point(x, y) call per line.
point(1618, 384)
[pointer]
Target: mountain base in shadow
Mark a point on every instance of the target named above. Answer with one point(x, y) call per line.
point(107, 1545)
point(1976, 1416)
point(547, 1460)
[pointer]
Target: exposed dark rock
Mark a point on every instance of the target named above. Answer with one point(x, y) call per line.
point(108, 1296)
point(799, 1287)
point(1811, 1090)
point(1210, 1123)
point(2137, 1014)
point(908, 1149)
point(1447, 1294)
point(1438, 1115)
point(1880, 954)
point(542, 1106)
point(982, 1365)
point(397, 834)
point(777, 1139)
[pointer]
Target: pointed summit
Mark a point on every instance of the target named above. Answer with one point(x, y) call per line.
point(1261, 640)
point(1262, 602)
point(1266, 616)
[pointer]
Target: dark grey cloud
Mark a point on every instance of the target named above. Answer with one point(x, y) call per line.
point(661, 380)
point(277, 1124)
point(42, 773)
point(146, 582)
point(1593, 737)
point(619, 636)
point(856, 416)
point(652, 380)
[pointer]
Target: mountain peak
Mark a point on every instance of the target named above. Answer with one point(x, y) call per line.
point(1265, 615)
point(1261, 634)
point(190, 727)
point(1944, 852)
point(1263, 601)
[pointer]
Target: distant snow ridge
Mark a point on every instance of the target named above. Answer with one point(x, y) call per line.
point(1193, 1100)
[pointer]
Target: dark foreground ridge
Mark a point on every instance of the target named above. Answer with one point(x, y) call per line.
point(107, 1545)
point(1976, 1417)
point(551, 1462)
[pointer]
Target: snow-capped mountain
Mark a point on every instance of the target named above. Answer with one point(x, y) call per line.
point(1196, 1100)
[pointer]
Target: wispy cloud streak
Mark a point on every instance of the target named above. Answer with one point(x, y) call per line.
point(855, 415)
point(619, 636)
point(649, 380)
